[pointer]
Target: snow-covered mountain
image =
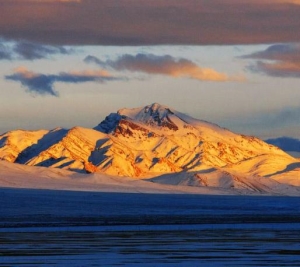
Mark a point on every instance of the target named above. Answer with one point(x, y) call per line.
point(155, 141)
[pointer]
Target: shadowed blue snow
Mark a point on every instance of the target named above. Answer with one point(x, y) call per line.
point(47, 228)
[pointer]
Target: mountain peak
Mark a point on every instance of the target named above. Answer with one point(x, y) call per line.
point(154, 114)
point(157, 108)
point(157, 111)
point(152, 110)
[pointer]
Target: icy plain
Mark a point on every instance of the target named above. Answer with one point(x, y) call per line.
point(69, 228)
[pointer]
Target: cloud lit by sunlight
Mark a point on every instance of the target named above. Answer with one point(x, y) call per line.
point(24, 72)
point(43, 84)
point(279, 69)
point(280, 60)
point(260, 2)
point(296, 2)
point(163, 65)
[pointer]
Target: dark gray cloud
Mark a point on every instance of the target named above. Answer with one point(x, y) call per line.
point(4, 52)
point(33, 51)
point(280, 52)
point(284, 118)
point(24, 50)
point(285, 143)
point(152, 22)
point(267, 124)
point(163, 65)
point(277, 69)
point(280, 60)
point(42, 84)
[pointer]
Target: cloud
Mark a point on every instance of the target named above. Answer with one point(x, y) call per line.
point(269, 123)
point(282, 52)
point(33, 51)
point(4, 52)
point(44, 1)
point(163, 65)
point(282, 118)
point(152, 22)
point(280, 60)
point(30, 51)
point(264, 2)
point(42, 84)
point(280, 69)
point(285, 143)
point(295, 2)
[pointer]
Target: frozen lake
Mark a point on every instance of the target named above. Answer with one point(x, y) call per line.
point(61, 228)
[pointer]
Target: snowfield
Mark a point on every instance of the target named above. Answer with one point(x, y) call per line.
point(21, 176)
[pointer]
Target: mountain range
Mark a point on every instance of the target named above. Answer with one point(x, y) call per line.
point(288, 144)
point(160, 145)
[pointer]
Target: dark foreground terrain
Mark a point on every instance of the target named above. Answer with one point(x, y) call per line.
point(61, 228)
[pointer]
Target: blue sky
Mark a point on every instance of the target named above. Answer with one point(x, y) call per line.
point(248, 85)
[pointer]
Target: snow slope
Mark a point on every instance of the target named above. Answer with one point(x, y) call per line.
point(22, 176)
point(154, 141)
point(15, 142)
